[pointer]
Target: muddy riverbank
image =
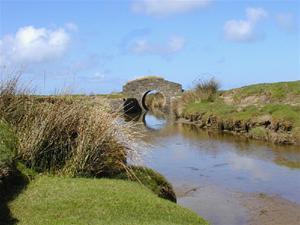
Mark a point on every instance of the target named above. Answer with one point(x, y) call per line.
point(261, 129)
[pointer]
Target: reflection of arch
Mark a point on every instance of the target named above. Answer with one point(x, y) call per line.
point(148, 126)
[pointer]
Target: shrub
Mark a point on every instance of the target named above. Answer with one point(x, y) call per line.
point(204, 91)
point(207, 89)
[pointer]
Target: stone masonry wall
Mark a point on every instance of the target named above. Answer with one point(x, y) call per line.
point(137, 88)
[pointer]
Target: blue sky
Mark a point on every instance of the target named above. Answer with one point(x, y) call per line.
point(96, 46)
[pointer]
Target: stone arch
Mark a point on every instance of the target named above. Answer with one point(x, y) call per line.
point(139, 89)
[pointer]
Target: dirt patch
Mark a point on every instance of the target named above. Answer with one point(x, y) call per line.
point(271, 210)
point(226, 207)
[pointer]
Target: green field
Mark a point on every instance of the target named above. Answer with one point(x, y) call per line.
point(54, 200)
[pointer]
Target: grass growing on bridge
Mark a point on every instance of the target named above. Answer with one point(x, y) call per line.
point(52, 200)
point(150, 77)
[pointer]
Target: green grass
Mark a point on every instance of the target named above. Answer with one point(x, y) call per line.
point(259, 132)
point(285, 113)
point(8, 143)
point(151, 179)
point(275, 91)
point(53, 200)
point(216, 108)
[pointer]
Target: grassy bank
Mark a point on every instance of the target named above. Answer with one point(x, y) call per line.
point(53, 200)
point(268, 112)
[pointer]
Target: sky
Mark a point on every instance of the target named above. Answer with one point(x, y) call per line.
point(96, 46)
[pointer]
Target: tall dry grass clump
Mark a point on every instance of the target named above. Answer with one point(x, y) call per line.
point(61, 135)
point(204, 90)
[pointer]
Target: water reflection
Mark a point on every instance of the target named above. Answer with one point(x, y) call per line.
point(153, 121)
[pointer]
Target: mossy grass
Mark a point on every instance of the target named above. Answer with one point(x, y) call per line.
point(150, 179)
point(53, 200)
point(259, 133)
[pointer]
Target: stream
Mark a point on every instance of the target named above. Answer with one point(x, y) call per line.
point(211, 172)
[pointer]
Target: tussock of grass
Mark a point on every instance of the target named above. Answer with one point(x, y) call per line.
point(204, 90)
point(63, 135)
point(51, 200)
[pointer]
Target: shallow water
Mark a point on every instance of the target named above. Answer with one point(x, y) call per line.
point(208, 170)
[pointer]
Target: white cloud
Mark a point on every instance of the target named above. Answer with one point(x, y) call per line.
point(167, 7)
point(286, 21)
point(143, 46)
point(250, 165)
point(33, 45)
point(244, 30)
point(255, 14)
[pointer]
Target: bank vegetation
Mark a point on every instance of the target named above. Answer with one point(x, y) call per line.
point(269, 112)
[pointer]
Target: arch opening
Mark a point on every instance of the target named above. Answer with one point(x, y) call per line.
point(153, 99)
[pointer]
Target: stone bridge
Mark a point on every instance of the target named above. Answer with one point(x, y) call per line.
point(140, 87)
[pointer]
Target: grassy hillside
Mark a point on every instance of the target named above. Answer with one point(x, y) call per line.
point(281, 92)
point(265, 111)
point(53, 200)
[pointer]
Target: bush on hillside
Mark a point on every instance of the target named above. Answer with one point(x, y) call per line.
point(204, 90)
